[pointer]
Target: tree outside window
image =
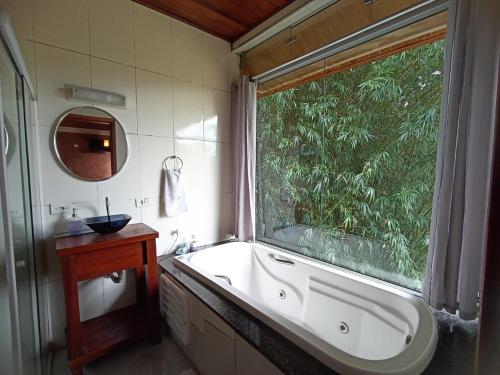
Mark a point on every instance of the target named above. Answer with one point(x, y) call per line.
point(345, 165)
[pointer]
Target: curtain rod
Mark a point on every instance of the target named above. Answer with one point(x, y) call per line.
point(375, 30)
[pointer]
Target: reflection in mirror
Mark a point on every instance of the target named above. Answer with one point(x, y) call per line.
point(90, 143)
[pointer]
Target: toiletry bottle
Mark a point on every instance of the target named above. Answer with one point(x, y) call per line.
point(192, 246)
point(75, 224)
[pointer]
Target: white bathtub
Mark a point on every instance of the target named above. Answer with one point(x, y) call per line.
point(353, 324)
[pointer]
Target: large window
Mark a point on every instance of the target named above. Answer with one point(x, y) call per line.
point(345, 165)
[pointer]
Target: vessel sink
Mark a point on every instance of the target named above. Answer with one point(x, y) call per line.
point(107, 224)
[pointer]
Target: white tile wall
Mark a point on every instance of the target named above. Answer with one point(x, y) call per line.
point(216, 63)
point(153, 40)
point(21, 14)
point(187, 45)
point(216, 115)
point(112, 30)
point(164, 225)
point(188, 110)
point(221, 227)
point(62, 23)
point(154, 103)
point(191, 153)
point(177, 82)
point(218, 167)
point(119, 78)
point(157, 149)
point(56, 67)
point(117, 296)
point(91, 298)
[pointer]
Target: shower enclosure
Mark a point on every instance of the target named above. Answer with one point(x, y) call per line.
point(19, 217)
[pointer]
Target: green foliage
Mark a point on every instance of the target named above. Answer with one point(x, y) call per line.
point(354, 154)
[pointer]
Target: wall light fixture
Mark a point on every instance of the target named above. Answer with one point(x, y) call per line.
point(95, 96)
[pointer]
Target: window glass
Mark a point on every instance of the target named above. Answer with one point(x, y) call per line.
point(345, 165)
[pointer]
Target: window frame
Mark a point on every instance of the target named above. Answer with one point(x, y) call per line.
point(393, 23)
point(343, 269)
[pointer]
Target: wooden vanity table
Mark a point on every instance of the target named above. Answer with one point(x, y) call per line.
point(92, 255)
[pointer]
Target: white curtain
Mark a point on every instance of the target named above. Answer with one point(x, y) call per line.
point(462, 186)
point(244, 148)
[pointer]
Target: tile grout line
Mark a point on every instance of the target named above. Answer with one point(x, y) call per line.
point(139, 152)
point(88, 26)
point(172, 86)
point(200, 84)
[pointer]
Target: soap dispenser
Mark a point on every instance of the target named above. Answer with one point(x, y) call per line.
point(75, 224)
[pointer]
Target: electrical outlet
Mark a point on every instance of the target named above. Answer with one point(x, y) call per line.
point(144, 202)
point(60, 210)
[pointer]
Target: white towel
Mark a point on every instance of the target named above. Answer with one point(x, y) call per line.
point(174, 195)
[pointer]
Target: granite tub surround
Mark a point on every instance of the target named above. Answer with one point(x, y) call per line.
point(456, 350)
point(284, 354)
point(454, 353)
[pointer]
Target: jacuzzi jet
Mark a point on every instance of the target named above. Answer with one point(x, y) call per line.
point(282, 294)
point(343, 327)
point(408, 339)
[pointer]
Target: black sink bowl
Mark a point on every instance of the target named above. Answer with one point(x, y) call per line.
point(103, 224)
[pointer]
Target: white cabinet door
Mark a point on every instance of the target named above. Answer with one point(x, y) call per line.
point(216, 349)
point(211, 347)
point(249, 361)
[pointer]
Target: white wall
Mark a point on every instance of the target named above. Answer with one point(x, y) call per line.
point(177, 81)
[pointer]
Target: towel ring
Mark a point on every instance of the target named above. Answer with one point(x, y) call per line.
point(174, 157)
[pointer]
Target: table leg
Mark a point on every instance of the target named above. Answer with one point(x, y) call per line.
point(70, 284)
point(153, 307)
point(140, 284)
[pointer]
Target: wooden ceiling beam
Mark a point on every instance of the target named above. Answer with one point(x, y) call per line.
point(247, 12)
point(198, 15)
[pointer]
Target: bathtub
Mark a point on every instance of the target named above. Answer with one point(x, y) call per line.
point(351, 323)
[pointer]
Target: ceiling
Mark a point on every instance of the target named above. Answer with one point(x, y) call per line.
point(226, 19)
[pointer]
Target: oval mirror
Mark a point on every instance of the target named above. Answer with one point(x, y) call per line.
point(90, 143)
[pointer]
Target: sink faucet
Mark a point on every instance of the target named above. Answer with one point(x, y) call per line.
point(107, 208)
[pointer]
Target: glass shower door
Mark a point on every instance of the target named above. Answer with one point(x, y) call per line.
point(19, 337)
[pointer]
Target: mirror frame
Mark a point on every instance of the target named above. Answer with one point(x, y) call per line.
point(6, 139)
point(58, 122)
point(9, 140)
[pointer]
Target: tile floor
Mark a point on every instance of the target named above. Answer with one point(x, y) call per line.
point(144, 359)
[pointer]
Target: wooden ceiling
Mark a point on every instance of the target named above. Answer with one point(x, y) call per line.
point(226, 19)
